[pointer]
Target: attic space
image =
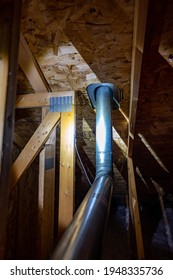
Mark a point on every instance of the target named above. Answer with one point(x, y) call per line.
point(86, 129)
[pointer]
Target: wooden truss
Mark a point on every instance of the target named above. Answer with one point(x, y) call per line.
point(42, 143)
point(44, 140)
point(10, 12)
point(140, 18)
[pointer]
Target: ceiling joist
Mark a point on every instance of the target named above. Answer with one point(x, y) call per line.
point(31, 68)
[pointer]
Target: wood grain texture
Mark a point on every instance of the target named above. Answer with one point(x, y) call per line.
point(33, 147)
point(134, 209)
point(10, 14)
point(67, 170)
point(39, 99)
point(140, 18)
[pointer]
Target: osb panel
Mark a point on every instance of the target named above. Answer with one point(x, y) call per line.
point(166, 42)
point(76, 43)
point(80, 42)
point(153, 148)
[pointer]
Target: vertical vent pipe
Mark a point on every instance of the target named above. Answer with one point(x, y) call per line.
point(104, 98)
point(83, 237)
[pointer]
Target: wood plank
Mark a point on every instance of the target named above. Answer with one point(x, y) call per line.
point(34, 74)
point(10, 14)
point(140, 18)
point(40, 99)
point(133, 203)
point(4, 65)
point(67, 167)
point(31, 68)
point(46, 200)
point(33, 147)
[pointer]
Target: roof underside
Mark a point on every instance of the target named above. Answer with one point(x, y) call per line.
point(77, 43)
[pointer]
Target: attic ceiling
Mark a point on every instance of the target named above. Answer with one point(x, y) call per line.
point(153, 146)
point(77, 43)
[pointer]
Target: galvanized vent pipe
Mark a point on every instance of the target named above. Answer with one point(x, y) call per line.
point(83, 237)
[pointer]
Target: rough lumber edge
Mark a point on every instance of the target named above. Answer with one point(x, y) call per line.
point(34, 74)
point(3, 78)
point(134, 211)
point(41, 99)
point(10, 15)
point(67, 167)
point(33, 147)
point(140, 18)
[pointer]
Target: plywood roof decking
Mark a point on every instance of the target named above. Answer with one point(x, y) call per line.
point(77, 43)
point(153, 146)
point(80, 42)
point(101, 31)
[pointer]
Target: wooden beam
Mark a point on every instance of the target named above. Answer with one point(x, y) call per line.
point(140, 19)
point(4, 66)
point(134, 209)
point(40, 99)
point(67, 167)
point(31, 68)
point(33, 147)
point(10, 14)
point(34, 74)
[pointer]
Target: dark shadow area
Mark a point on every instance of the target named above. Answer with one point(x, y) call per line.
point(22, 229)
point(154, 231)
point(154, 123)
point(116, 243)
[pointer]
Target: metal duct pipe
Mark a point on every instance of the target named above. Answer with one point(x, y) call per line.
point(104, 98)
point(83, 238)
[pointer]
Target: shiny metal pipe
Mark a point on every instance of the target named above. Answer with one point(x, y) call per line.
point(104, 98)
point(83, 237)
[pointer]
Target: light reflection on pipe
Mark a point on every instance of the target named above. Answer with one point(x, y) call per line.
point(101, 134)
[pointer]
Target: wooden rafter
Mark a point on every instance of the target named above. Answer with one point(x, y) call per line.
point(34, 74)
point(140, 18)
point(31, 68)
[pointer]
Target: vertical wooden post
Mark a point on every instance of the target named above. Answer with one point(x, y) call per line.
point(134, 209)
point(46, 175)
point(10, 13)
point(140, 19)
point(67, 167)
